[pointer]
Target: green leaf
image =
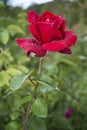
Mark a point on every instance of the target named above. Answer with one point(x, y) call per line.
point(47, 86)
point(67, 61)
point(35, 123)
point(46, 89)
point(4, 78)
point(63, 122)
point(15, 115)
point(13, 126)
point(14, 29)
point(39, 107)
point(45, 83)
point(15, 102)
point(23, 68)
point(26, 99)
point(18, 80)
point(4, 37)
point(13, 71)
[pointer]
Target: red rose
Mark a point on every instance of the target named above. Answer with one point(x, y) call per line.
point(49, 34)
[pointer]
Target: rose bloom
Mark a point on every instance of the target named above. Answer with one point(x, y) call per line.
point(68, 112)
point(49, 34)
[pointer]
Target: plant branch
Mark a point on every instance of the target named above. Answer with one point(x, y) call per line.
point(28, 111)
point(40, 65)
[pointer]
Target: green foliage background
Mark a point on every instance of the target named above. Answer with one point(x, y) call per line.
point(62, 83)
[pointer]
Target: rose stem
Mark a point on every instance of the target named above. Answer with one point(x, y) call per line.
point(40, 65)
point(28, 111)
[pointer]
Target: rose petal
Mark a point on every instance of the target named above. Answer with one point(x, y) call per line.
point(61, 23)
point(63, 26)
point(33, 28)
point(48, 32)
point(56, 21)
point(70, 38)
point(31, 45)
point(66, 51)
point(68, 33)
point(55, 46)
point(46, 16)
point(32, 16)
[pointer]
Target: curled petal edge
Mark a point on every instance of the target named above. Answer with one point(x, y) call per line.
point(55, 46)
point(32, 16)
point(66, 51)
point(31, 45)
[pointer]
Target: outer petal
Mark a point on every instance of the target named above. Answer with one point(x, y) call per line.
point(32, 16)
point(68, 33)
point(31, 45)
point(70, 38)
point(61, 23)
point(55, 46)
point(33, 28)
point(66, 51)
point(48, 32)
point(63, 26)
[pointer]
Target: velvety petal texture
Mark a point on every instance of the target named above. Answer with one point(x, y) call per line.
point(66, 51)
point(34, 30)
point(70, 38)
point(49, 34)
point(31, 45)
point(61, 23)
point(47, 17)
point(32, 16)
point(55, 46)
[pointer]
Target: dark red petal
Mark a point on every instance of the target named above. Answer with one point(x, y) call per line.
point(32, 16)
point(55, 46)
point(31, 45)
point(63, 26)
point(66, 51)
point(68, 33)
point(70, 38)
point(48, 32)
point(34, 30)
point(60, 19)
point(61, 23)
point(46, 15)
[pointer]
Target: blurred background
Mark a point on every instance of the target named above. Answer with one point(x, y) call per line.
point(67, 72)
